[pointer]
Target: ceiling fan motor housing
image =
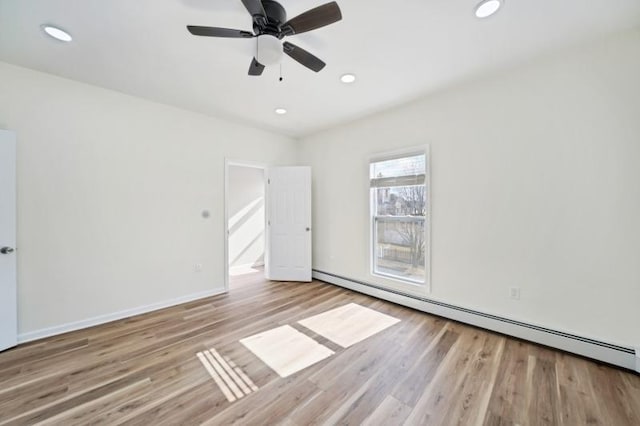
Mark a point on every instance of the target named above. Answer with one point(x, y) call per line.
point(276, 16)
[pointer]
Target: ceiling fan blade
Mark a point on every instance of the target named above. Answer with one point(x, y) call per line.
point(256, 67)
point(218, 32)
point(305, 58)
point(314, 18)
point(254, 7)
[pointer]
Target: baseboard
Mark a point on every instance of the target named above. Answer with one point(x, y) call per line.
point(102, 319)
point(621, 356)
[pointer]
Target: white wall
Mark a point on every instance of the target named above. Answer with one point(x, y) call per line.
point(246, 216)
point(535, 184)
point(110, 194)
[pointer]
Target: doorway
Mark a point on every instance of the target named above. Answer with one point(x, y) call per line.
point(245, 222)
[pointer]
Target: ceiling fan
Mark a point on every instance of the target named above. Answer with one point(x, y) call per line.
point(270, 26)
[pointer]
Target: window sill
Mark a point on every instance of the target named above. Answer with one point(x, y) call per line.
point(422, 285)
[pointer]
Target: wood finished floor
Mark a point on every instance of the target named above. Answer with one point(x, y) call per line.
point(423, 370)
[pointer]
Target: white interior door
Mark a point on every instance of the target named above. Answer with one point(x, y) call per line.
point(8, 292)
point(288, 257)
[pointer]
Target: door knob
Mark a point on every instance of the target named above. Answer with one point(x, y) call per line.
point(6, 250)
point(308, 229)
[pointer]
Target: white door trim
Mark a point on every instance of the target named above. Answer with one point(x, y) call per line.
point(241, 163)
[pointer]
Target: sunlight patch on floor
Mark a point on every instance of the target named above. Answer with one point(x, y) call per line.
point(236, 271)
point(231, 380)
point(349, 324)
point(286, 350)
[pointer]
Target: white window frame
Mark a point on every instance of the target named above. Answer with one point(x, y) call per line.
point(390, 281)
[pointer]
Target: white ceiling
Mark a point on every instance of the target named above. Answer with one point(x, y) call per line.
point(400, 50)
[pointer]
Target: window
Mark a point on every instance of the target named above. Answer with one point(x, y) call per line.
point(399, 206)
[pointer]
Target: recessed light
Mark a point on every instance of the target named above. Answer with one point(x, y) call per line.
point(57, 33)
point(348, 78)
point(487, 8)
point(281, 111)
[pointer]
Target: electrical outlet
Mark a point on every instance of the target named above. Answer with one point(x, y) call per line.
point(514, 293)
point(198, 267)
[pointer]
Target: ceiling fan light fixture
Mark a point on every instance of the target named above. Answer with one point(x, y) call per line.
point(56, 33)
point(269, 50)
point(487, 8)
point(280, 111)
point(348, 78)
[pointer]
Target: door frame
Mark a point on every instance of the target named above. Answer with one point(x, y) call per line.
point(239, 163)
point(11, 326)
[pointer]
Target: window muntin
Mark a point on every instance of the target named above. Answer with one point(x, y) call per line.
point(398, 210)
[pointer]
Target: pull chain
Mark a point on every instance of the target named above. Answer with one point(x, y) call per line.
point(280, 71)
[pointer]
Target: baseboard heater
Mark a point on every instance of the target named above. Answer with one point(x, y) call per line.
point(621, 356)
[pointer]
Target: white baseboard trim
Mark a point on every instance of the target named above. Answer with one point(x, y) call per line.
point(102, 319)
point(628, 358)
